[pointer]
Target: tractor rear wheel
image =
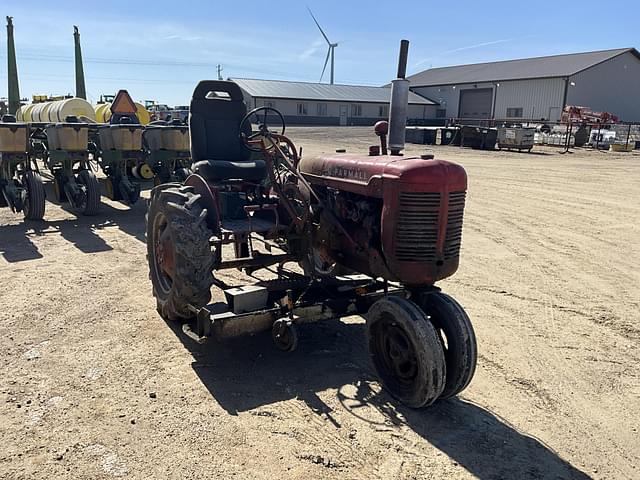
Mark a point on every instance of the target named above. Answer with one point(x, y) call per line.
point(178, 251)
point(34, 205)
point(406, 351)
point(457, 337)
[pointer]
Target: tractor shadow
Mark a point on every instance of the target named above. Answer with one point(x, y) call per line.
point(249, 372)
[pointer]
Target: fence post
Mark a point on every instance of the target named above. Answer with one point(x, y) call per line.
point(628, 135)
point(568, 140)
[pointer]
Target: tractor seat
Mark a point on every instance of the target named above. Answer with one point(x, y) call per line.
point(218, 170)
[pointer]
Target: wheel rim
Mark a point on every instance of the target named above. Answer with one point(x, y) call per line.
point(284, 336)
point(145, 172)
point(396, 353)
point(285, 339)
point(163, 254)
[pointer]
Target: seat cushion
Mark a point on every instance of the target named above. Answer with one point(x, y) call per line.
point(216, 170)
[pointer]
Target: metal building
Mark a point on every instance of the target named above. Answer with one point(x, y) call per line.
point(303, 103)
point(536, 88)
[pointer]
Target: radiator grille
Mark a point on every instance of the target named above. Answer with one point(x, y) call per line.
point(417, 227)
point(453, 237)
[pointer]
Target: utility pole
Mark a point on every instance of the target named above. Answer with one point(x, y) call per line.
point(219, 67)
point(12, 70)
point(81, 91)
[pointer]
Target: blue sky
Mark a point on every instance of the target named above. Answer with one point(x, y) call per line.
point(159, 50)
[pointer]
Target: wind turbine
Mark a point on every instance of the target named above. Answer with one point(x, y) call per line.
point(330, 52)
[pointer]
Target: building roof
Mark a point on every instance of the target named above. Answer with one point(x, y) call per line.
point(539, 67)
point(322, 91)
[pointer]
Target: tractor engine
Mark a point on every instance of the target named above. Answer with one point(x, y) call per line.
point(399, 218)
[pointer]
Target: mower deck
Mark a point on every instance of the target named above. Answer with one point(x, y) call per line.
point(249, 225)
point(295, 299)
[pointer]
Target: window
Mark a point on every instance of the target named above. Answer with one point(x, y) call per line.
point(322, 109)
point(441, 113)
point(270, 103)
point(303, 109)
point(514, 112)
point(356, 110)
point(383, 111)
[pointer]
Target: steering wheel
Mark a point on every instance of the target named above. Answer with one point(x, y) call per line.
point(256, 141)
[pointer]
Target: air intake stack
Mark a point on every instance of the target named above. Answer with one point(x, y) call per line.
point(12, 70)
point(81, 92)
point(399, 103)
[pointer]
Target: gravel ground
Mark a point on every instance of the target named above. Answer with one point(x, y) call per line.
point(94, 384)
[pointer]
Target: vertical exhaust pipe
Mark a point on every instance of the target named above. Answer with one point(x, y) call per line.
point(12, 70)
point(81, 91)
point(399, 103)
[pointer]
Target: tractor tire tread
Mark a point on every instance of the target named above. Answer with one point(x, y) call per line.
point(36, 193)
point(194, 260)
point(430, 381)
point(89, 180)
point(461, 353)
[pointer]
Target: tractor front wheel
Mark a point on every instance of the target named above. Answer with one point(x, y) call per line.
point(406, 351)
point(178, 251)
point(457, 337)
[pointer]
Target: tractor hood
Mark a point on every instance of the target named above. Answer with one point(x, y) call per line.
point(367, 175)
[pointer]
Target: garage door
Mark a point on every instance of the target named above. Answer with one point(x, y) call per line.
point(476, 103)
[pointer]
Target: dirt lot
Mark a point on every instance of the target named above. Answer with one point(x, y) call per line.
point(94, 384)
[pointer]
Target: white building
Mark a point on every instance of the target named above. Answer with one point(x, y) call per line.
point(536, 88)
point(303, 103)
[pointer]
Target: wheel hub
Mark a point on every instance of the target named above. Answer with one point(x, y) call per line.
point(165, 256)
point(398, 353)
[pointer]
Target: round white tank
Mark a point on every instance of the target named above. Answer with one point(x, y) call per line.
point(40, 112)
point(76, 107)
point(26, 112)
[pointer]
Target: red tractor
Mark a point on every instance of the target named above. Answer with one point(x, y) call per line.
point(342, 235)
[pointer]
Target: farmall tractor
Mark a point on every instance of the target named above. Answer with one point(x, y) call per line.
point(370, 235)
